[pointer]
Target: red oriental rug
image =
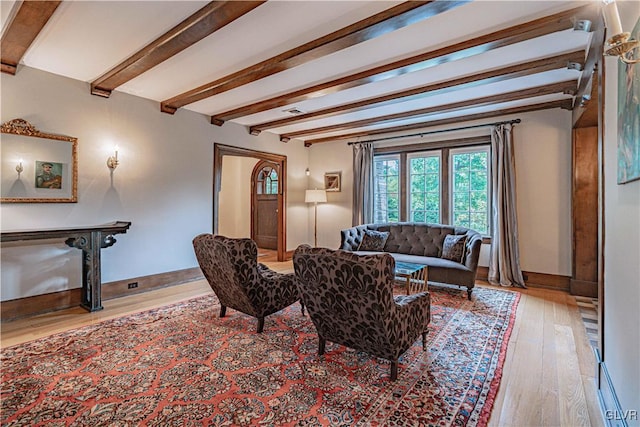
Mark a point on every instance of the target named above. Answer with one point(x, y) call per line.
point(182, 365)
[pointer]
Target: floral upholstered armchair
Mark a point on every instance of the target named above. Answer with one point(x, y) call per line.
point(231, 268)
point(350, 300)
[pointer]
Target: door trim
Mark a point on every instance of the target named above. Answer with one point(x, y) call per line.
point(221, 150)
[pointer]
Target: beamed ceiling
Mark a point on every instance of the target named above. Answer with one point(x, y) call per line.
point(317, 71)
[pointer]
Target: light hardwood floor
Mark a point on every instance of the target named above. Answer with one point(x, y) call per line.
point(548, 377)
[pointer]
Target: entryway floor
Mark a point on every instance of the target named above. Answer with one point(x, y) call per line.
point(589, 312)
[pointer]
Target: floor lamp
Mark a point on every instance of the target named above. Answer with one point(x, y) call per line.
point(315, 197)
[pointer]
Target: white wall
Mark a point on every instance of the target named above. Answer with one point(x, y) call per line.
point(334, 215)
point(543, 188)
point(543, 168)
point(163, 184)
point(235, 196)
point(621, 251)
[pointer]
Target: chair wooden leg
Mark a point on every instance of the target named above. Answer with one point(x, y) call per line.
point(223, 311)
point(260, 324)
point(321, 344)
point(394, 370)
point(469, 290)
point(424, 341)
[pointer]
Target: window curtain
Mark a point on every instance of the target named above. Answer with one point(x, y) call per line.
point(504, 259)
point(362, 183)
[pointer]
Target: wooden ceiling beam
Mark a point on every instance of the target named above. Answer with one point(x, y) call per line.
point(24, 24)
point(566, 87)
point(582, 101)
point(384, 22)
point(515, 34)
point(563, 103)
point(574, 60)
point(212, 17)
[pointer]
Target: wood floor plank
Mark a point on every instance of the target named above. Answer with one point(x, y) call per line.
point(550, 388)
point(520, 394)
point(590, 391)
point(573, 408)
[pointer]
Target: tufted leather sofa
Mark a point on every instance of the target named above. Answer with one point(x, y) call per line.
point(421, 243)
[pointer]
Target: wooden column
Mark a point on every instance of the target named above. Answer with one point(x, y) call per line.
point(584, 280)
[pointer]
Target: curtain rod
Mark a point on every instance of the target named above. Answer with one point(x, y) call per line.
point(436, 131)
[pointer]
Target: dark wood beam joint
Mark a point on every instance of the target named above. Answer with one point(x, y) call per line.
point(254, 132)
point(9, 69)
point(216, 122)
point(285, 139)
point(105, 93)
point(165, 108)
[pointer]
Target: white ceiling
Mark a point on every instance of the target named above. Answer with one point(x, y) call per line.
point(85, 39)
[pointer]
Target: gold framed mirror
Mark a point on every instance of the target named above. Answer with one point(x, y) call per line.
point(37, 167)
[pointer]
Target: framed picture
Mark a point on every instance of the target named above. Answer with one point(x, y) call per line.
point(37, 167)
point(332, 181)
point(629, 119)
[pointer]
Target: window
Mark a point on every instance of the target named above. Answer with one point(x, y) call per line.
point(449, 185)
point(424, 187)
point(267, 181)
point(386, 199)
point(470, 188)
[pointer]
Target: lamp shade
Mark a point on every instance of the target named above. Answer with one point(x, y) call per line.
point(315, 196)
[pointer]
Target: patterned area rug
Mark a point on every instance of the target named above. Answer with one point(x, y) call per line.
point(182, 365)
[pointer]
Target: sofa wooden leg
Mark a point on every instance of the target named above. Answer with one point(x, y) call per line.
point(394, 370)
point(260, 324)
point(302, 307)
point(424, 341)
point(223, 311)
point(321, 343)
point(469, 293)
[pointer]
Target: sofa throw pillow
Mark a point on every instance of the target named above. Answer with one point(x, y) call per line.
point(373, 240)
point(453, 247)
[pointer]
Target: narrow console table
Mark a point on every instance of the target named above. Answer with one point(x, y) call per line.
point(90, 239)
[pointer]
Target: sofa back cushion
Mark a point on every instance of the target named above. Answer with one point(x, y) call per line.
point(415, 238)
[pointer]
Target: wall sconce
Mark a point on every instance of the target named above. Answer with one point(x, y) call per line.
point(19, 168)
point(307, 172)
point(618, 43)
point(112, 161)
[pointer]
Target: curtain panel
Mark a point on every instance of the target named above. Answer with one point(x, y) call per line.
point(362, 183)
point(504, 260)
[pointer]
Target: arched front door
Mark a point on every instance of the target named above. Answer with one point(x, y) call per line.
point(264, 204)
